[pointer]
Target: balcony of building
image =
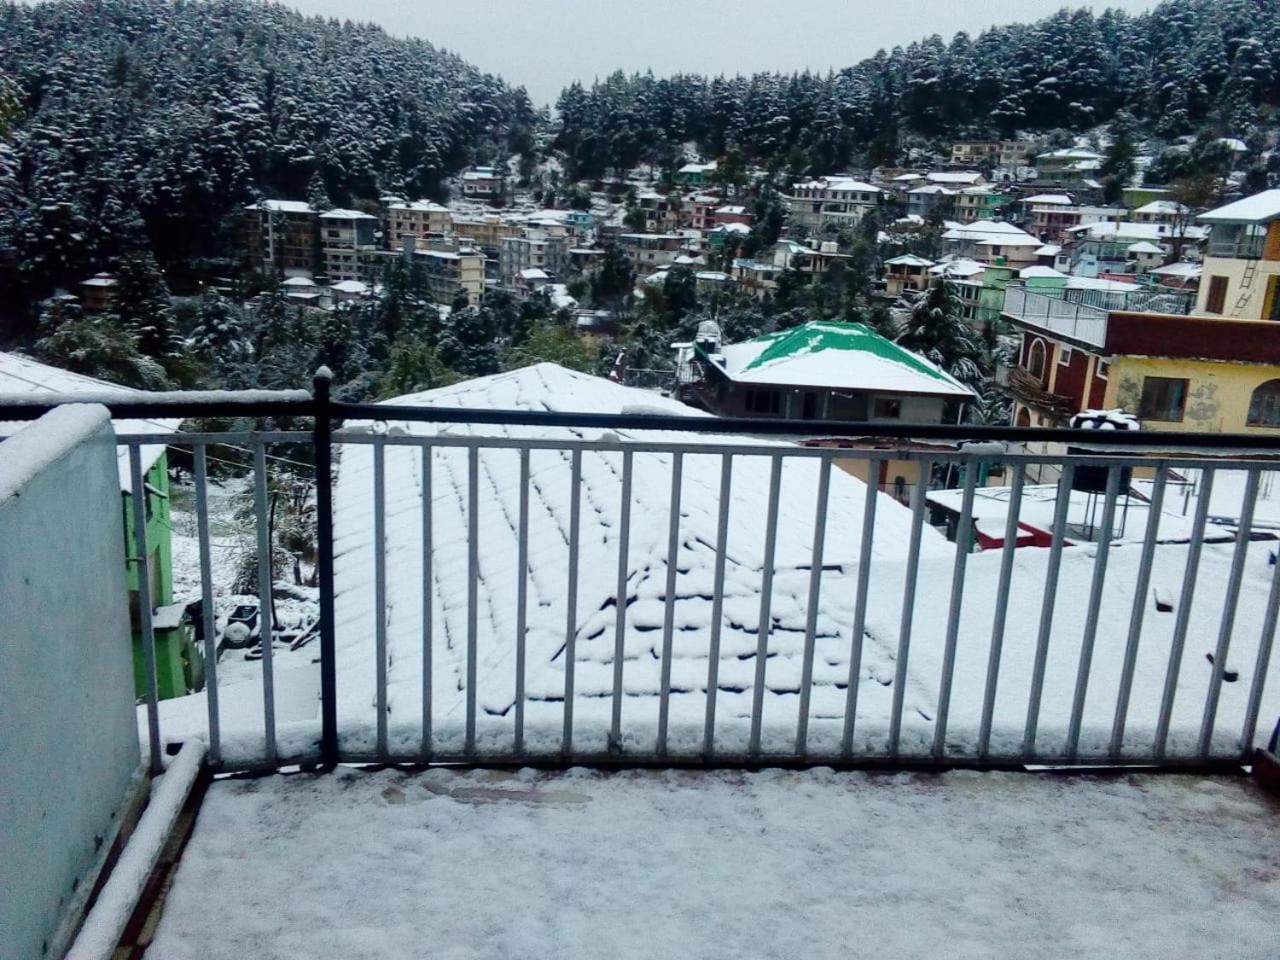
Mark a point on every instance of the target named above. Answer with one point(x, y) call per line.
point(642, 680)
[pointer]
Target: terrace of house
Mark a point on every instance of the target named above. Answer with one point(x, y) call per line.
point(484, 863)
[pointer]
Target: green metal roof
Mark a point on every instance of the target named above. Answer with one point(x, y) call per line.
point(817, 336)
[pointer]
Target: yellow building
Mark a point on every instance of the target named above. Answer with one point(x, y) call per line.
point(1201, 396)
point(1241, 277)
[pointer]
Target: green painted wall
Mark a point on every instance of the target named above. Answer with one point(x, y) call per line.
point(173, 647)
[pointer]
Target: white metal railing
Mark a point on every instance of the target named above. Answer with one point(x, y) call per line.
point(511, 587)
point(1076, 320)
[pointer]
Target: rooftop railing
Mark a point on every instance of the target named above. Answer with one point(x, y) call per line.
point(1079, 321)
point(511, 587)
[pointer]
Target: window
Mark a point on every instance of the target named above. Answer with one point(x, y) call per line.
point(1163, 398)
point(1217, 298)
point(1036, 359)
point(887, 408)
point(1103, 370)
point(1264, 406)
point(1271, 305)
point(764, 401)
point(1064, 357)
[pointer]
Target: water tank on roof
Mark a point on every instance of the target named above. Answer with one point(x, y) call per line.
point(1092, 478)
point(708, 336)
point(829, 246)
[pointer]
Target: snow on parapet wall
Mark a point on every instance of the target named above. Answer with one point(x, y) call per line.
point(42, 442)
point(548, 387)
point(23, 379)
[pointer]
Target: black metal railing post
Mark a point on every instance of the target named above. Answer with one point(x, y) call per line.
point(323, 440)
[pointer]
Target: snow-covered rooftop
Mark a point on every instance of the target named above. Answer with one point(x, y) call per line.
point(1049, 250)
point(1051, 200)
point(281, 206)
point(1098, 283)
point(996, 231)
point(960, 176)
point(1180, 269)
point(844, 356)
point(22, 376)
point(1042, 273)
point(549, 387)
point(351, 286)
point(1143, 246)
point(908, 260)
point(1165, 207)
point(1259, 208)
point(340, 214)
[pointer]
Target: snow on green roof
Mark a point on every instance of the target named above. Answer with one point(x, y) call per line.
point(836, 355)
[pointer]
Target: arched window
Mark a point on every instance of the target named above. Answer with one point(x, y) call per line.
point(1023, 419)
point(1264, 407)
point(1036, 359)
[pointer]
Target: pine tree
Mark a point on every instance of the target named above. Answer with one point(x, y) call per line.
point(143, 304)
point(937, 331)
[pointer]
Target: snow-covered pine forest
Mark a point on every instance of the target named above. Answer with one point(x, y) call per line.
point(1185, 66)
point(142, 124)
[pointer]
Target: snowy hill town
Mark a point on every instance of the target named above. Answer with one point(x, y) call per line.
point(495, 466)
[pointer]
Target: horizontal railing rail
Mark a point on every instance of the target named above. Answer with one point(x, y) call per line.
point(699, 590)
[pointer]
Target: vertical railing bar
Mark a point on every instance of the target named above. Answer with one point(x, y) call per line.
point(964, 534)
point(1047, 604)
point(428, 596)
point(815, 593)
point(322, 440)
point(571, 615)
point(1261, 664)
point(1085, 664)
point(872, 496)
point(522, 596)
point(1007, 553)
point(1155, 507)
point(473, 591)
point(620, 595)
point(766, 603)
point(206, 604)
point(137, 497)
point(1238, 558)
point(908, 606)
point(380, 589)
point(717, 607)
point(1182, 619)
point(669, 605)
point(266, 623)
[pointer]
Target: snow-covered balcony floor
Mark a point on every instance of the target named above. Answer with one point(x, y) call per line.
point(724, 864)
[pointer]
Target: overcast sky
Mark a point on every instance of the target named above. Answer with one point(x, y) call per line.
point(545, 44)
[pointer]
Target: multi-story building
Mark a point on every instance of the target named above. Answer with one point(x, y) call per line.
point(907, 272)
point(696, 174)
point(647, 251)
point(483, 183)
point(661, 211)
point(282, 235)
point(977, 203)
point(419, 219)
point(836, 202)
point(992, 242)
point(999, 153)
point(698, 210)
point(349, 244)
point(1067, 166)
point(452, 273)
point(1104, 247)
point(1241, 273)
point(1160, 211)
point(486, 232)
point(1173, 371)
point(732, 213)
point(922, 201)
point(534, 249)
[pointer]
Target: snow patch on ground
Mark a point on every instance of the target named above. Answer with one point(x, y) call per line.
point(725, 864)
